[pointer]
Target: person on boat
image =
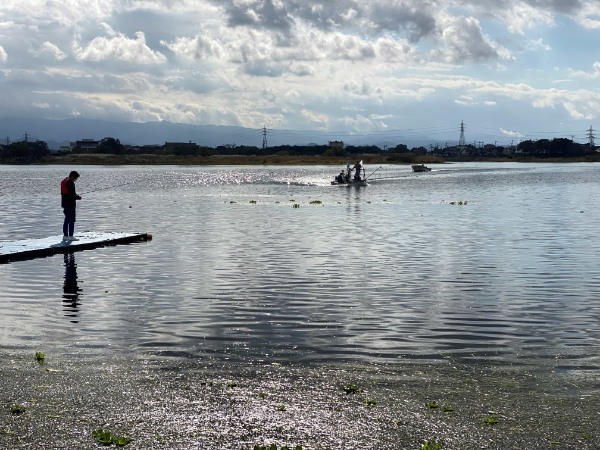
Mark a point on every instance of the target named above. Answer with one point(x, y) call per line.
point(358, 168)
point(69, 198)
point(341, 177)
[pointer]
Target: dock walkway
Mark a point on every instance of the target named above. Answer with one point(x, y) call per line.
point(34, 248)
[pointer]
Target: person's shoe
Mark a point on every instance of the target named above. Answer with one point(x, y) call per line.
point(73, 238)
point(65, 238)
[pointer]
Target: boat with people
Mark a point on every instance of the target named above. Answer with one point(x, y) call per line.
point(420, 168)
point(345, 177)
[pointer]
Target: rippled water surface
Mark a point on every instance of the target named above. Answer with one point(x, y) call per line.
point(473, 262)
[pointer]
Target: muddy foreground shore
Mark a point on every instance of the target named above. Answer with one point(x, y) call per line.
point(62, 401)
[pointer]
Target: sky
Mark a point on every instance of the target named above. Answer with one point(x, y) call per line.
point(510, 70)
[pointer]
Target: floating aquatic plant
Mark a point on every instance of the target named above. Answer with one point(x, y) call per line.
point(296, 205)
point(316, 202)
point(370, 402)
point(431, 445)
point(352, 389)
point(491, 420)
point(274, 447)
point(17, 409)
point(432, 405)
point(253, 202)
point(232, 384)
point(106, 438)
point(39, 356)
point(281, 407)
point(448, 408)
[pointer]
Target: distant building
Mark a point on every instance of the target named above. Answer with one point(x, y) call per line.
point(85, 145)
point(180, 147)
point(336, 145)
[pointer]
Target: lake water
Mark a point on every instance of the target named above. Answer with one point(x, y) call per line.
point(394, 273)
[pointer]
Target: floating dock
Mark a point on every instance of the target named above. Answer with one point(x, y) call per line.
point(35, 248)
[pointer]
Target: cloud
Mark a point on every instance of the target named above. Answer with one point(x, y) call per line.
point(297, 63)
point(50, 50)
point(462, 40)
point(595, 73)
point(511, 133)
point(119, 47)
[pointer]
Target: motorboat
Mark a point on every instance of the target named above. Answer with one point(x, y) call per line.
point(345, 177)
point(420, 168)
point(350, 182)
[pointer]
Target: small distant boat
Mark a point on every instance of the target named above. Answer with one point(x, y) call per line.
point(345, 178)
point(350, 182)
point(420, 168)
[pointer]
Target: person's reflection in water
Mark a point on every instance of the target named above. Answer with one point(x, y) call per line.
point(71, 289)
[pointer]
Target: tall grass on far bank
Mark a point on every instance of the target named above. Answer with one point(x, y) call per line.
point(235, 160)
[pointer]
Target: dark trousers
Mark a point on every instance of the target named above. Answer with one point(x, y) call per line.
point(69, 224)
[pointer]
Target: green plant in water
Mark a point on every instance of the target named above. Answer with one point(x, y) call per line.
point(17, 409)
point(296, 205)
point(102, 437)
point(253, 202)
point(39, 356)
point(274, 447)
point(586, 436)
point(491, 420)
point(432, 445)
point(106, 438)
point(121, 441)
point(370, 402)
point(448, 408)
point(281, 407)
point(432, 405)
point(232, 384)
point(352, 389)
point(262, 395)
point(232, 202)
point(316, 202)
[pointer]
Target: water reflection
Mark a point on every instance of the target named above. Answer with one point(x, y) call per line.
point(388, 273)
point(71, 289)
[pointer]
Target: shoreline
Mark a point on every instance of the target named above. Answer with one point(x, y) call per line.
point(251, 160)
point(200, 404)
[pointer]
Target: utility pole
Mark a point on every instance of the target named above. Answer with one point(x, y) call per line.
point(591, 137)
point(264, 146)
point(461, 141)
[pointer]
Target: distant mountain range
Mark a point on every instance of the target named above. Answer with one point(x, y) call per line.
point(59, 133)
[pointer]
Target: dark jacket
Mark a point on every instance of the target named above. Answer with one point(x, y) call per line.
point(69, 198)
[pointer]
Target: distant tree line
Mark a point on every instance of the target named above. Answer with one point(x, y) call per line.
point(26, 152)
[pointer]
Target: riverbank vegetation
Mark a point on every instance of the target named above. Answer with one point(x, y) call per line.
point(109, 151)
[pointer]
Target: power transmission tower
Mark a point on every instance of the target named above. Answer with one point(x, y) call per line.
point(461, 141)
point(591, 137)
point(264, 137)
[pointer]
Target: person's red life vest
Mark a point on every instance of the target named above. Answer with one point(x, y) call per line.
point(63, 187)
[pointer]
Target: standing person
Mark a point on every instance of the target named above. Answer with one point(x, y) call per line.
point(69, 198)
point(358, 168)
